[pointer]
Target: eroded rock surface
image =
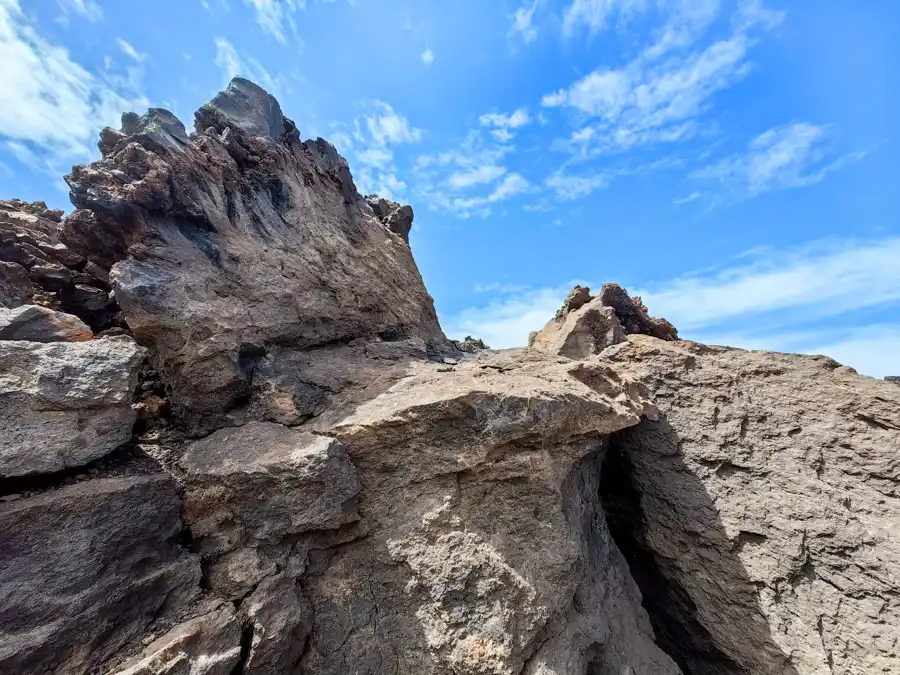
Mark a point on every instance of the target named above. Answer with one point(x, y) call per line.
point(337, 488)
point(237, 243)
point(586, 325)
point(87, 568)
point(765, 503)
point(64, 404)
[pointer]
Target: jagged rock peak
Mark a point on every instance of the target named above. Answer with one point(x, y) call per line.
point(585, 325)
point(238, 245)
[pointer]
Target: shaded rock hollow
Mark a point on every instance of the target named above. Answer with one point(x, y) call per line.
point(320, 482)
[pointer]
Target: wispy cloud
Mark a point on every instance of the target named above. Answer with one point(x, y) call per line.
point(370, 141)
point(232, 64)
point(595, 15)
point(523, 21)
point(650, 100)
point(503, 126)
point(568, 187)
point(427, 57)
point(808, 299)
point(88, 9)
point(794, 155)
point(131, 51)
point(274, 15)
point(50, 86)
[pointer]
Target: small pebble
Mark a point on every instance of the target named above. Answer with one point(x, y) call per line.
point(93, 472)
point(449, 361)
point(68, 480)
point(81, 476)
point(10, 498)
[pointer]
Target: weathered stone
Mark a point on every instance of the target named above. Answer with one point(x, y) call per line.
point(580, 333)
point(257, 484)
point(16, 288)
point(894, 379)
point(762, 510)
point(64, 404)
point(237, 243)
point(633, 315)
point(86, 568)
point(33, 323)
point(207, 645)
point(280, 618)
point(395, 217)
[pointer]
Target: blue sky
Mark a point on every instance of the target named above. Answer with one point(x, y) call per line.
point(733, 162)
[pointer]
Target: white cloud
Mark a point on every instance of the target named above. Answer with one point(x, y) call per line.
point(694, 196)
point(131, 51)
point(569, 187)
point(274, 15)
point(86, 8)
point(819, 280)
point(523, 21)
point(480, 175)
point(233, 64)
point(795, 155)
point(808, 300)
point(51, 87)
point(649, 100)
point(375, 133)
point(512, 184)
point(594, 14)
point(428, 57)
point(502, 125)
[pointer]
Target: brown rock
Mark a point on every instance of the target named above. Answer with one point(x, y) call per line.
point(39, 324)
point(265, 248)
point(16, 288)
point(580, 333)
point(86, 568)
point(632, 314)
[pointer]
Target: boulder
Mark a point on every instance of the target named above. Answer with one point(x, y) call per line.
point(633, 314)
point(85, 569)
point(580, 333)
point(207, 645)
point(258, 484)
point(33, 323)
point(64, 404)
point(760, 511)
point(239, 243)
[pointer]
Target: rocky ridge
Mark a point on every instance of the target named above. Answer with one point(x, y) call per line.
point(260, 454)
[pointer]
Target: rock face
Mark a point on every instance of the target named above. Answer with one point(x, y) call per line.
point(586, 325)
point(240, 244)
point(764, 507)
point(86, 569)
point(306, 477)
point(66, 403)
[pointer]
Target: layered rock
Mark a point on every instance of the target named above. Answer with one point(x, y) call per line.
point(586, 325)
point(237, 245)
point(64, 404)
point(341, 489)
point(761, 511)
point(37, 268)
point(86, 569)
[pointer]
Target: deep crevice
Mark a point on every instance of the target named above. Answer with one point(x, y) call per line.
point(671, 610)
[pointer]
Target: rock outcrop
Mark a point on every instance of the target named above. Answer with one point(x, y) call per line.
point(296, 472)
point(586, 325)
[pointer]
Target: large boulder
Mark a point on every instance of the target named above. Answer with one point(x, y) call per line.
point(87, 568)
point(237, 244)
point(760, 512)
point(64, 404)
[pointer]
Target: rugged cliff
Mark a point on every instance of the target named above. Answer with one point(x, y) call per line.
point(234, 439)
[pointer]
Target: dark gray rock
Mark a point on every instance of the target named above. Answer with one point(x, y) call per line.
point(246, 106)
point(16, 288)
point(87, 568)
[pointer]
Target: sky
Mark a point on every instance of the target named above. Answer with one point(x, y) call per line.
point(733, 162)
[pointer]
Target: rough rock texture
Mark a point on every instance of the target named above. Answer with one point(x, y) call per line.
point(359, 494)
point(85, 569)
point(34, 323)
point(585, 325)
point(37, 268)
point(207, 645)
point(236, 244)
point(764, 506)
point(66, 403)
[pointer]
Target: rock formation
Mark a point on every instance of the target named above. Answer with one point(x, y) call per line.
point(261, 455)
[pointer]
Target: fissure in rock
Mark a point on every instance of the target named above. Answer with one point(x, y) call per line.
point(672, 613)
